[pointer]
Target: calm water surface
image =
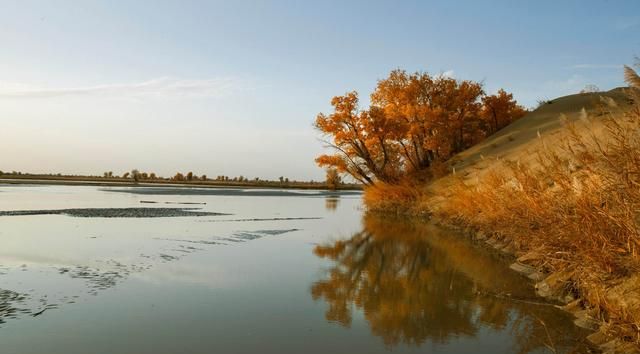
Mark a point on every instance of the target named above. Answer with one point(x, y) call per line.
point(292, 273)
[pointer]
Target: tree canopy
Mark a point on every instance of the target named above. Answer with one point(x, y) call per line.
point(413, 121)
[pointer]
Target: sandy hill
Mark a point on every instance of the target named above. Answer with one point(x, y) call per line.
point(544, 126)
point(520, 140)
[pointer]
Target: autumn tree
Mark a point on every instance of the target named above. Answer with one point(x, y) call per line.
point(178, 177)
point(136, 175)
point(414, 120)
point(500, 110)
point(439, 114)
point(359, 137)
point(333, 179)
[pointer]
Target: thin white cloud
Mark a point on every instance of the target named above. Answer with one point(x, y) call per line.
point(447, 74)
point(597, 66)
point(160, 87)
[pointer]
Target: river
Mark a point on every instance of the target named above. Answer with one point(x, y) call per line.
point(87, 269)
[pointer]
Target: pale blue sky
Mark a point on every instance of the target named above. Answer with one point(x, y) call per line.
point(233, 87)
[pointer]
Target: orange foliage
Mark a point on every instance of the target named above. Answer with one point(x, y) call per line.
point(414, 121)
point(500, 110)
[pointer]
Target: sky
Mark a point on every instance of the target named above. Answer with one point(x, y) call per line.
point(233, 87)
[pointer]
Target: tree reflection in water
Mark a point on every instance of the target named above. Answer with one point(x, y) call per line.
point(415, 283)
point(331, 203)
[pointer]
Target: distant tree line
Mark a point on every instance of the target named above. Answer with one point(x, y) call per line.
point(137, 175)
point(333, 179)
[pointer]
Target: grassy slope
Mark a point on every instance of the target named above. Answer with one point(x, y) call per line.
point(520, 142)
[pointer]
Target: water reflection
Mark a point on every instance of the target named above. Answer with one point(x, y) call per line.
point(331, 203)
point(416, 284)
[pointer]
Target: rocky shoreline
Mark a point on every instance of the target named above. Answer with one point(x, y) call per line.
point(552, 287)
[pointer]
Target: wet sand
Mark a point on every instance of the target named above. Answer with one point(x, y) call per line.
point(115, 212)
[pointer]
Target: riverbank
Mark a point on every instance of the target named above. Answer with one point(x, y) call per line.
point(558, 191)
point(609, 330)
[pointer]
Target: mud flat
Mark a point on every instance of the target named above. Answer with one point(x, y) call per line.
point(115, 212)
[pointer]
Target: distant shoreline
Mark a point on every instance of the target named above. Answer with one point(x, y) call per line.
point(120, 182)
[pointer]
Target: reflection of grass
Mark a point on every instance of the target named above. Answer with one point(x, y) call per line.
point(415, 284)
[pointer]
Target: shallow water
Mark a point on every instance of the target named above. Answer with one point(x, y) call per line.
point(282, 273)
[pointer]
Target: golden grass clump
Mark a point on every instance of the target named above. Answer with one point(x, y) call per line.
point(388, 198)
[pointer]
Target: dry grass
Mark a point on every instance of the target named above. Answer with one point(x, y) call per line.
point(407, 197)
point(574, 213)
point(397, 199)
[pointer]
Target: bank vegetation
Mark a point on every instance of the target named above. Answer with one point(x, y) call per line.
point(558, 188)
